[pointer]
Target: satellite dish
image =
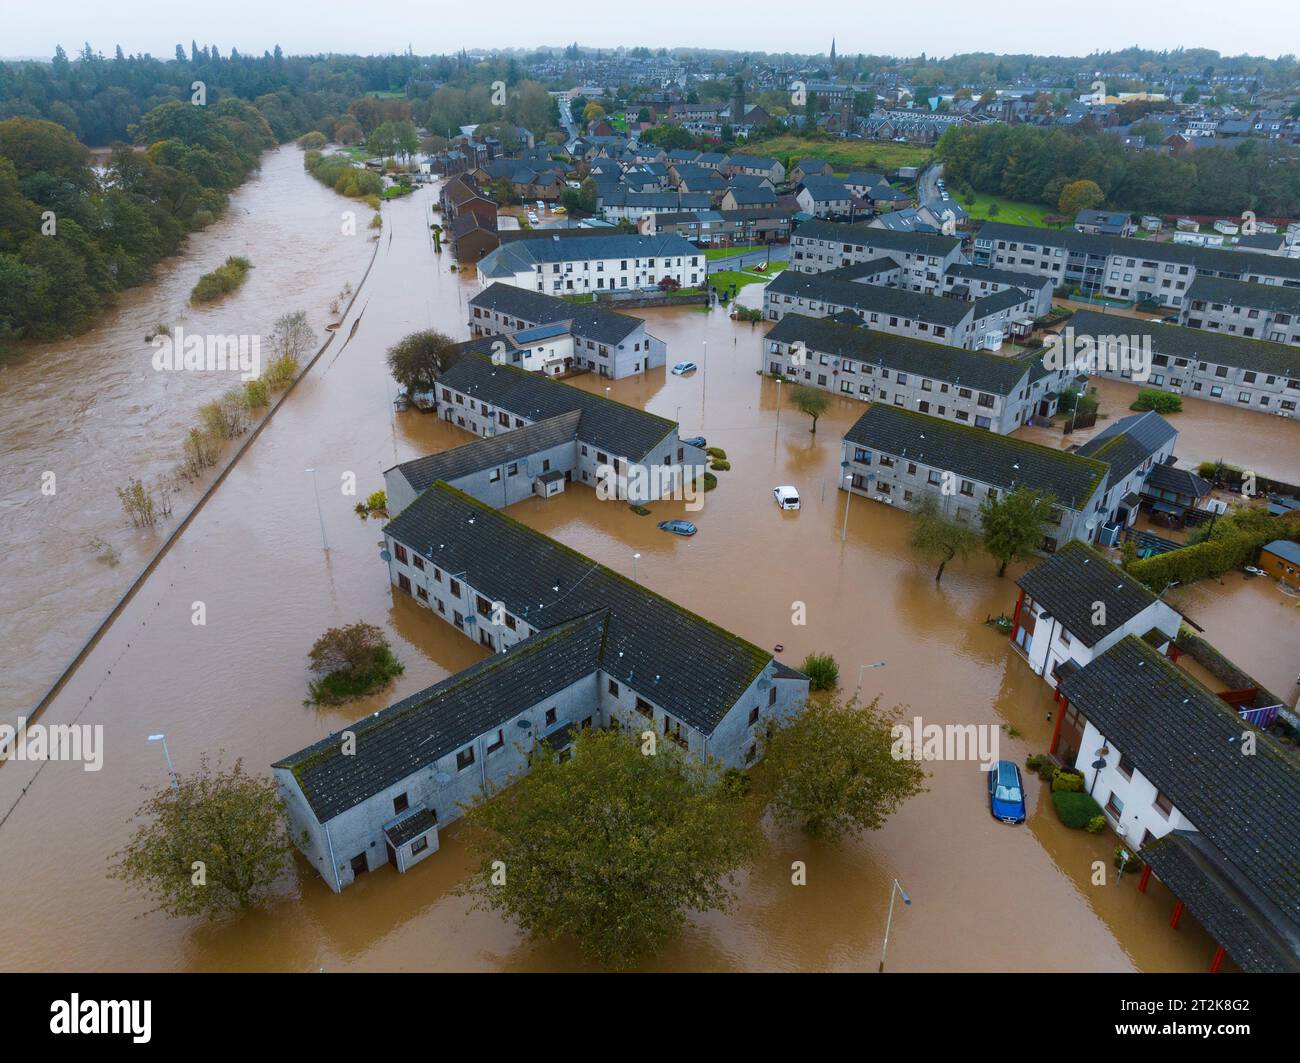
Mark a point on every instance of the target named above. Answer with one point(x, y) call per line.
point(384, 555)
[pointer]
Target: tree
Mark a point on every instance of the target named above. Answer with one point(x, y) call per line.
point(292, 336)
point(937, 536)
point(351, 660)
point(810, 400)
point(831, 769)
point(612, 846)
point(416, 360)
point(1080, 195)
point(1013, 524)
point(215, 842)
point(593, 112)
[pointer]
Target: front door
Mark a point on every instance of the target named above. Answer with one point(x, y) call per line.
point(359, 865)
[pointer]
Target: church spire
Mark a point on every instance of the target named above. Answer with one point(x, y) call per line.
point(832, 51)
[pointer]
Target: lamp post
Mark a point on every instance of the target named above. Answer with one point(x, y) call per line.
point(635, 558)
point(848, 497)
point(896, 888)
point(319, 512)
point(171, 772)
point(863, 668)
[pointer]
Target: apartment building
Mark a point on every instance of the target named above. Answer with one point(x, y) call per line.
point(536, 331)
point(965, 281)
point(580, 265)
point(1204, 364)
point(1132, 447)
point(820, 246)
point(975, 388)
point(1239, 308)
point(1121, 267)
point(895, 456)
point(575, 645)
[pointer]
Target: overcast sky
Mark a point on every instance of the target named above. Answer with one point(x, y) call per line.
point(941, 27)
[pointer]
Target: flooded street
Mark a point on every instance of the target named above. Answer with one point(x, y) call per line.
point(986, 897)
point(94, 412)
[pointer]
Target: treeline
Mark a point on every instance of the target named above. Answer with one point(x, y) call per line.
point(71, 237)
point(1031, 164)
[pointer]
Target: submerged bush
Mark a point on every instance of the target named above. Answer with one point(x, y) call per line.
point(222, 280)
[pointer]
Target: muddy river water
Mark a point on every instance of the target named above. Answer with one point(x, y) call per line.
point(985, 897)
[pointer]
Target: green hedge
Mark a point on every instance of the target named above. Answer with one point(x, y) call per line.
point(1075, 808)
point(1230, 545)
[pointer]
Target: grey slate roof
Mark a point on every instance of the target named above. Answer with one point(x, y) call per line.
point(978, 454)
point(829, 287)
point(1244, 293)
point(1254, 932)
point(522, 256)
point(691, 668)
point(605, 423)
point(537, 308)
point(417, 731)
point(1216, 260)
point(422, 473)
point(860, 233)
point(1187, 742)
point(1127, 443)
point(1179, 481)
point(967, 271)
point(998, 301)
point(1216, 348)
point(1070, 583)
point(973, 369)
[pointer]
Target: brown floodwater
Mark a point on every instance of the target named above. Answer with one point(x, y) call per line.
point(93, 411)
point(986, 897)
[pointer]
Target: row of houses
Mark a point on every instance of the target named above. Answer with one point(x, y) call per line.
point(1136, 270)
point(1186, 776)
point(896, 454)
point(575, 645)
point(874, 295)
point(585, 261)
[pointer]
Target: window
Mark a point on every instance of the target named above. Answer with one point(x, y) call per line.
point(550, 717)
point(464, 758)
point(645, 708)
point(1125, 766)
point(399, 552)
point(420, 844)
point(1164, 805)
point(753, 715)
point(498, 742)
point(1115, 806)
point(401, 803)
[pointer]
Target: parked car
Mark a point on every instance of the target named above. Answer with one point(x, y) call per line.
point(560, 210)
point(696, 441)
point(1006, 795)
point(682, 368)
point(678, 527)
point(532, 217)
point(787, 497)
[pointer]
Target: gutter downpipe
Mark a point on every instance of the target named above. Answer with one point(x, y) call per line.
point(334, 865)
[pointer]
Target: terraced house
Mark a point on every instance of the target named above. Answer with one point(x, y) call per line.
point(819, 246)
point(575, 645)
point(1255, 311)
point(895, 456)
point(493, 400)
point(1122, 267)
point(1251, 373)
point(578, 265)
point(860, 294)
point(543, 333)
point(987, 391)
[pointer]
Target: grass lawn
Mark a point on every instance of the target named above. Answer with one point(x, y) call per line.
point(727, 252)
point(734, 278)
point(1009, 210)
point(844, 155)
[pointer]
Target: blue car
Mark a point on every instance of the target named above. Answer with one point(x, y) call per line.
point(696, 441)
point(678, 527)
point(1006, 795)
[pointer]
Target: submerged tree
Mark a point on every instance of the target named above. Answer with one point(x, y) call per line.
point(937, 536)
point(612, 846)
point(417, 360)
point(1013, 524)
point(215, 842)
point(831, 770)
point(810, 400)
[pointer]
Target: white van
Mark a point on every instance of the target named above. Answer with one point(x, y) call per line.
point(786, 497)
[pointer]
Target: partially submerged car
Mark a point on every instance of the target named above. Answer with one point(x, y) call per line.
point(1006, 795)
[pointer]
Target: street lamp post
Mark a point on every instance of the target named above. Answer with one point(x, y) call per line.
point(635, 559)
point(896, 888)
point(171, 772)
point(863, 668)
point(319, 512)
point(848, 497)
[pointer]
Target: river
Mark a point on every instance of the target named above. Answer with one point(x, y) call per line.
point(985, 896)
